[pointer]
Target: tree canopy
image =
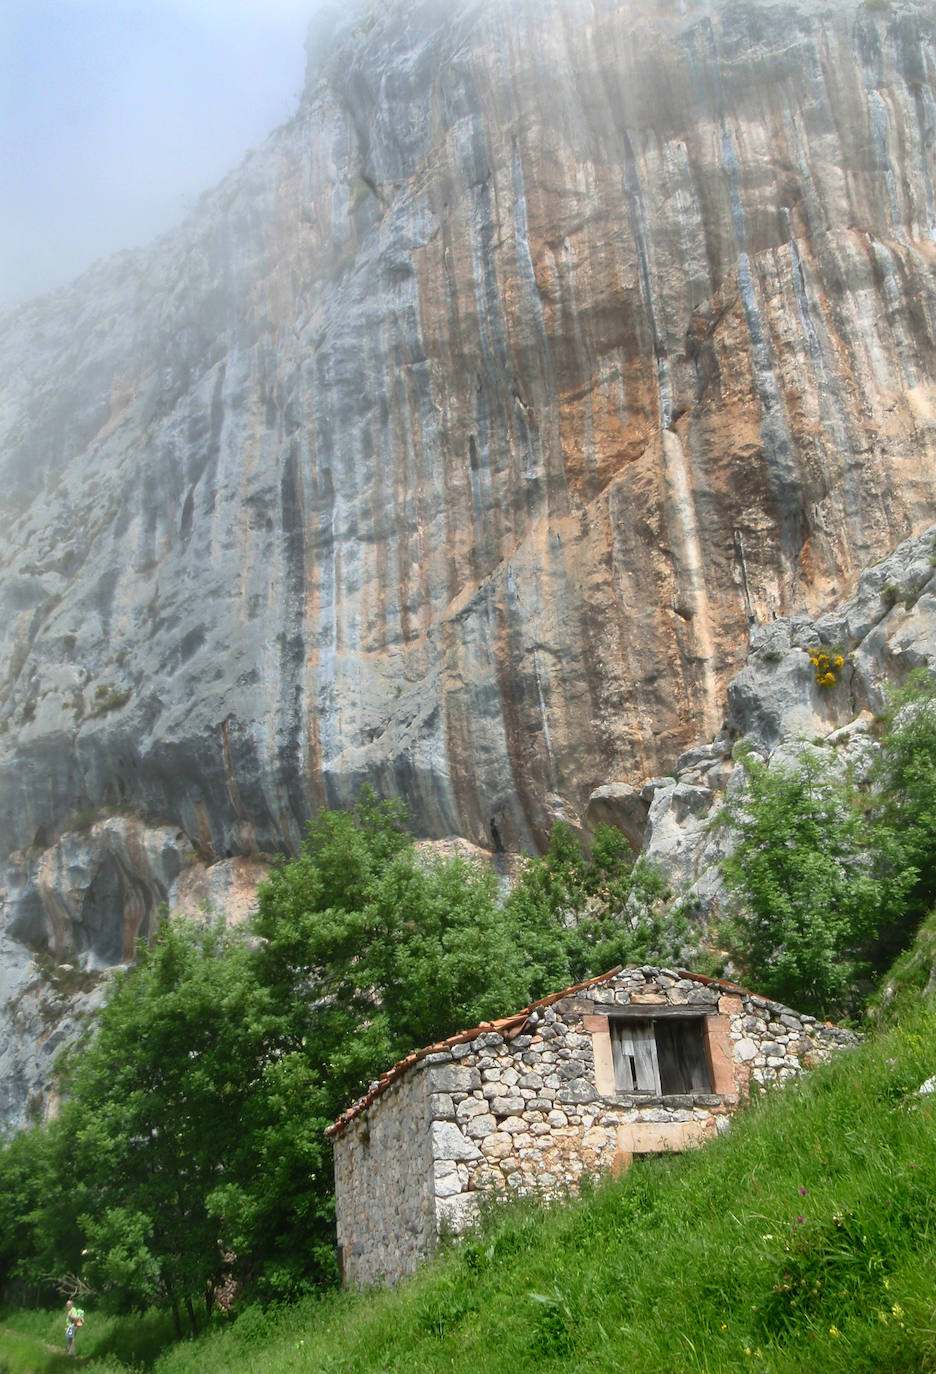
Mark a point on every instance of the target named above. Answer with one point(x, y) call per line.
point(191, 1148)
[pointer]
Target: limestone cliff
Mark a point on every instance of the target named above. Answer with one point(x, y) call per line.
point(458, 439)
point(777, 707)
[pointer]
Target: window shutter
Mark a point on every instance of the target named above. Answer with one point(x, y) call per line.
point(635, 1057)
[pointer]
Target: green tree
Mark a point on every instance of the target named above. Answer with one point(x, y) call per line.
point(830, 881)
point(368, 949)
point(150, 1122)
point(807, 897)
point(904, 810)
point(371, 948)
point(578, 914)
point(274, 1203)
point(28, 1263)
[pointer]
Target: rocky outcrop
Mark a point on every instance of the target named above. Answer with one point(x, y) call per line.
point(777, 706)
point(459, 438)
point(72, 915)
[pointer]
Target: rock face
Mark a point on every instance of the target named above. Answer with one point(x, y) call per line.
point(72, 915)
point(776, 706)
point(458, 439)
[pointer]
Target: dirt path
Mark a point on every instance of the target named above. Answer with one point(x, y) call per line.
point(44, 1345)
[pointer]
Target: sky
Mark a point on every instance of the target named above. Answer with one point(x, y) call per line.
point(115, 115)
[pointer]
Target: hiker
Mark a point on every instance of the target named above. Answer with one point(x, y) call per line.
point(74, 1317)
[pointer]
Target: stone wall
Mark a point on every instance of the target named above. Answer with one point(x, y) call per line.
point(530, 1104)
point(385, 1202)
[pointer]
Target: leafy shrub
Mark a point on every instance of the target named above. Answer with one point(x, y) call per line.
point(806, 899)
point(829, 880)
point(905, 798)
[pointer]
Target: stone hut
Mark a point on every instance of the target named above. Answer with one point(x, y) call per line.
point(637, 1061)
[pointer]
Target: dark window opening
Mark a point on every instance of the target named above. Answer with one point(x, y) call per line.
point(665, 1056)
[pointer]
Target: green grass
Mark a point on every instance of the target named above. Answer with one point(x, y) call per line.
point(910, 975)
point(33, 1342)
point(804, 1241)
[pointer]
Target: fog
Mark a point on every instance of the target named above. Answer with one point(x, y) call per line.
point(116, 114)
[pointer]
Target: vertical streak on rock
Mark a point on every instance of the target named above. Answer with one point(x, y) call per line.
point(833, 409)
point(780, 461)
point(691, 601)
point(529, 294)
point(584, 440)
point(642, 244)
point(308, 748)
point(326, 637)
point(289, 769)
point(880, 128)
point(884, 264)
point(925, 101)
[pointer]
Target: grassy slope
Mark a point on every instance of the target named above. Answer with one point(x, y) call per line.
point(803, 1241)
point(33, 1342)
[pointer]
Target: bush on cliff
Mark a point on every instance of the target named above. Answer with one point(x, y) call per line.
point(830, 876)
point(807, 897)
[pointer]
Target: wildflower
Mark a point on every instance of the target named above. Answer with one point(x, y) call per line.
point(834, 1331)
point(803, 1192)
point(724, 1326)
point(800, 1220)
point(897, 1309)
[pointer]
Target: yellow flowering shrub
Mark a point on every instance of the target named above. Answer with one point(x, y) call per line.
point(826, 666)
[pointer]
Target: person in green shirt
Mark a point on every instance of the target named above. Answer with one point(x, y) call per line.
point(74, 1317)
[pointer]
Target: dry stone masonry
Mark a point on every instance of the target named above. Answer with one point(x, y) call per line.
point(638, 1061)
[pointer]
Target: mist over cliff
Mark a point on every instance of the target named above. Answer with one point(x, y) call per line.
point(459, 439)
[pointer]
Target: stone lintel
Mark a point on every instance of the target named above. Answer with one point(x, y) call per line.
point(653, 1010)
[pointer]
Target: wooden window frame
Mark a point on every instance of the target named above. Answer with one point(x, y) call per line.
point(637, 1049)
